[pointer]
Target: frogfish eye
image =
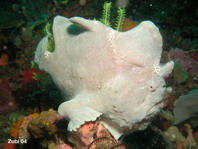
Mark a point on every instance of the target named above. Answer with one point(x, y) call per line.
point(76, 29)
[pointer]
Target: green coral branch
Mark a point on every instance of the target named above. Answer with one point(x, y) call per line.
point(50, 43)
point(106, 16)
point(34, 64)
point(47, 29)
point(120, 18)
point(36, 76)
point(106, 13)
point(48, 32)
point(43, 78)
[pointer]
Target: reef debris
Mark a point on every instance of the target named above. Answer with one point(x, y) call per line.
point(178, 139)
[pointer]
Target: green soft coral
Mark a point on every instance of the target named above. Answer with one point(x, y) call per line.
point(106, 16)
point(120, 18)
point(106, 13)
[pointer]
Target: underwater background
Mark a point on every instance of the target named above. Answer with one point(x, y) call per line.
point(29, 98)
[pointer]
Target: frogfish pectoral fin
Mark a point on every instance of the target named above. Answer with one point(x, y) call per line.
point(77, 114)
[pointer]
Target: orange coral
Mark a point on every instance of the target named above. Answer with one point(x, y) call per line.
point(26, 119)
point(34, 115)
point(19, 62)
point(4, 60)
point(129, 24)
point(179, 146)
point(9, 146)
point(15, 128)
point(22, 121)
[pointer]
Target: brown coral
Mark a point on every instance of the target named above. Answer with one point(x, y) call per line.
point(43, 124)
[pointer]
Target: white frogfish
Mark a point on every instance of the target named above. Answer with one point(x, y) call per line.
point(111, 76)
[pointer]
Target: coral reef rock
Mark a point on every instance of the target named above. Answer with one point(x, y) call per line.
point(111, 75)
point(180, 56)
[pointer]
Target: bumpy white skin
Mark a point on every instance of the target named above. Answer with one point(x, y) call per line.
point(108, 74)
